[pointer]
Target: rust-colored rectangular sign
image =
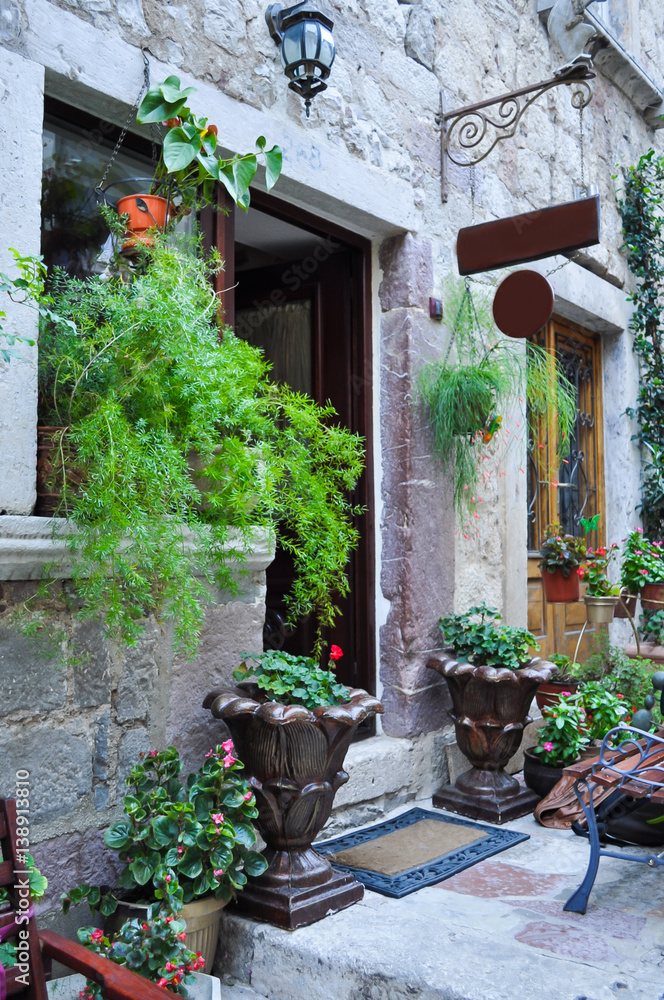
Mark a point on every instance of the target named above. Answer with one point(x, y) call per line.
point(522, 238)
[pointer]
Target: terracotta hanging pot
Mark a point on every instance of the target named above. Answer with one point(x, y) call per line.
point(490, 713)
point(560, 589)
point(293, 759)
point(652, 597)
point(144, 211)
point(600, 610)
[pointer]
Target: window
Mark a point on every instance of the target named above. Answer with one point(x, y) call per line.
point(573, 491)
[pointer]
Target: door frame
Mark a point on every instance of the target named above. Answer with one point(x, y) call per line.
point(219, 230)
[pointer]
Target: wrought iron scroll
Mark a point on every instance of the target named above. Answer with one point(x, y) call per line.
point(470, 133)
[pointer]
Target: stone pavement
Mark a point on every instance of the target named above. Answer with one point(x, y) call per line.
point(494, 932)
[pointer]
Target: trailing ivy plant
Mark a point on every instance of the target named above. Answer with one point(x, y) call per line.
point(465, 395)
point(643, 229)
point(146, 384)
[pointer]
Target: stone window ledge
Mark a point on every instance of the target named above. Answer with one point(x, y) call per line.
point(621, 68)
point(29, 544)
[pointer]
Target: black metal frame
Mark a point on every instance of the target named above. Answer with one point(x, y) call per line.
point(644, 744)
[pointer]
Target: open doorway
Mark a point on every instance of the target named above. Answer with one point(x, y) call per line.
point(298, 288)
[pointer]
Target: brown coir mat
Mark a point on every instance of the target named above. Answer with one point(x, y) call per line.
point(416, 849)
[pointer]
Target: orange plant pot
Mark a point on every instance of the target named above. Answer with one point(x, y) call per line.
point(559, 589)
point(140, 221)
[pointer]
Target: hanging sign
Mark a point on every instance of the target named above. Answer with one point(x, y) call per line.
point(522, 238)
point(523, 304)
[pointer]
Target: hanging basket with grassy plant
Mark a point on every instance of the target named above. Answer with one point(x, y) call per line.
point(465, 396)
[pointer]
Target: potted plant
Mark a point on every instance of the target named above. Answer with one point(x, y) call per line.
point(465, 394)
point(117, 371)
point(560, 742)
point(601, 595)
point(189, 168)
point(563, 680)
point(492, 679)
point(633, 570)
point(652, 594)
point(292, 727)
point(561, 556)
point(199, 832)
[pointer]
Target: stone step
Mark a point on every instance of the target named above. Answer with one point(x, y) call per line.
point(494, 932)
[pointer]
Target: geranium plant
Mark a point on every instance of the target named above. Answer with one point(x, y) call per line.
point(155, 948)
point(294, 680)
point(479, 638)
point(563, 735)
point(604, 709)
point(201, 829)
point(593, 571)
point(189, 155)
point(561, 551)
point(636, 561)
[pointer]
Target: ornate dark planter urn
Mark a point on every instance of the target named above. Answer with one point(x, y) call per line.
point(490, 713)
point(293, 759)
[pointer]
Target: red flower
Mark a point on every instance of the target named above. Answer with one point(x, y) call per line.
point(182, 936)
point(96, 935)
point(163, 982)
point(336, 652)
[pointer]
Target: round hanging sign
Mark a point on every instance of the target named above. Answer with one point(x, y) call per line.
point(523, 303)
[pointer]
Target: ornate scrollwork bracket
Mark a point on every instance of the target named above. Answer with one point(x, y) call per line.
point(470, 133)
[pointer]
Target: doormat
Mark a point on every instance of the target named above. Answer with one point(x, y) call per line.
point(416, 849)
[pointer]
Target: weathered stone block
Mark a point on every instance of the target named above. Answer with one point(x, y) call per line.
point(412, 713)
point(60, 766)
point(133, 743)
point(420, 37)
point(92, 683)
point(407, 272)
point(137, 683)
point(31, 674)
point(100, 758)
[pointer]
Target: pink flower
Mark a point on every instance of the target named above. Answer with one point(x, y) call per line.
point(171, 967)
point(210, 753)
point(227, 747)
point(229, 760)
point(640, 530)
point(548, 747)
point(218, 818)
point(144, 926)
point(638, 552)
point(644, 572)
point(336, 652)
point(180, 849)
point(162, 982)
point(248, 797)
point(566, 694)
point(96, 935)
point(182, 936)
point(218, 872)
point(167, 878)
point(154, 753)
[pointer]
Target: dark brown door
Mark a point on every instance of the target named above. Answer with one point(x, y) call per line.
point(309, 317)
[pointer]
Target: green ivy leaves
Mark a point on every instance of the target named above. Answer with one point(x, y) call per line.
point(292, 680)
point(485, 642)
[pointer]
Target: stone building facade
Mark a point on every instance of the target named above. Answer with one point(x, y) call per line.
point(367, 162)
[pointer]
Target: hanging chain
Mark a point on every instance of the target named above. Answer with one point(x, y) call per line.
point(581, 144)
point(132, 114)
point(472, 194)
point(468, 303)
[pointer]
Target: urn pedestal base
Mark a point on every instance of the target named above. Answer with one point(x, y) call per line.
point(281, 896)
point(493, 796)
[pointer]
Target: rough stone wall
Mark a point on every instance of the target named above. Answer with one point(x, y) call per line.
point(76, 711)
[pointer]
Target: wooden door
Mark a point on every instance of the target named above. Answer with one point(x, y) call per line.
point(574, 491)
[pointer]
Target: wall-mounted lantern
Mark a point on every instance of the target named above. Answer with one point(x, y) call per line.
point(307, 46)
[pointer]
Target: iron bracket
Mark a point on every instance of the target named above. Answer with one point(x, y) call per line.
point(464, 131)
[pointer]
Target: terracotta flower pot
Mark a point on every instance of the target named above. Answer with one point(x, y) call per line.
point(549, 692)
point(652, 597)
point(541, 778)
point(600, 610)
point(293, 759)
point(560, 589)
point(626, 605)
point(490, 713)
point(153, 215)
